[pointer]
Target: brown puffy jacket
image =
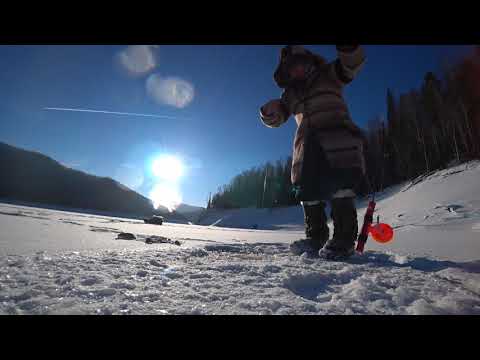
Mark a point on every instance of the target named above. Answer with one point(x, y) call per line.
point(320, 111)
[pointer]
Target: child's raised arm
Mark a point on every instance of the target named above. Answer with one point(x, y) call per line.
point(349, 62)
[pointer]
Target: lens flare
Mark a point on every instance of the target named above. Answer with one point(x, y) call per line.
point(168, 168)
point(170, 91)
point(165, 195)
point(138, 59)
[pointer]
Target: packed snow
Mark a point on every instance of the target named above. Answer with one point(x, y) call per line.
point(57, 262)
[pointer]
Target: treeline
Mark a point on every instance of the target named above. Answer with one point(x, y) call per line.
point(425, 130)
point(264, 186)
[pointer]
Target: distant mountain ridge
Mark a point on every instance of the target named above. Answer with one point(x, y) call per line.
point(187, 209)
point(192, 213)
point(34, 177)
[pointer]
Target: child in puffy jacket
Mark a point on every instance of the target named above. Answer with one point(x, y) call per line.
point(328, 161)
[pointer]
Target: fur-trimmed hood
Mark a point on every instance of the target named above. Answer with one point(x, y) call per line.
point(288, 53)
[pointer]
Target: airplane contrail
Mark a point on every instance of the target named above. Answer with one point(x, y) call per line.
point(110, 112)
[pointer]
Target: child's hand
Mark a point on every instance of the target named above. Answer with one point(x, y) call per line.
point(272, 113)
point(269, 109)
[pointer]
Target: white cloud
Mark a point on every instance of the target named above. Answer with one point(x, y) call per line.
point(138, 59)
point(170, 90)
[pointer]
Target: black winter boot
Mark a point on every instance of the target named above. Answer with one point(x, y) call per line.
point(344, 215)
point(316, 230)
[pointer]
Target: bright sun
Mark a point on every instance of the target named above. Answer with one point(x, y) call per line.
point(168, 167)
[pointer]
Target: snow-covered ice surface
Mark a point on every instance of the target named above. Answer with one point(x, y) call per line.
point(25, 230)
point(56, 262)
point(233, 279)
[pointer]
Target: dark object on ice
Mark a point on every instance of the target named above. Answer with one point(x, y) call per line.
point(161, 240)
point(126, 236)
point(155, 220)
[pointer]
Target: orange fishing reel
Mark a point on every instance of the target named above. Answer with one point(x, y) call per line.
point(381, 233)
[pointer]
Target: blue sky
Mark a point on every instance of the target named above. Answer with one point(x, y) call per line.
point(216, 131)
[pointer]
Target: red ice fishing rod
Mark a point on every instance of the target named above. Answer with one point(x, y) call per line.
point(367, 223)
point(382, 233)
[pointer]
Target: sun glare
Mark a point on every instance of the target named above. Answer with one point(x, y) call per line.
point(168, 168)
point(165, 195)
